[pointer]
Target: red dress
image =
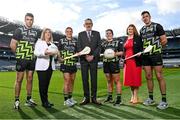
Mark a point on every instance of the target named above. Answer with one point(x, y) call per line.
point(132, 73)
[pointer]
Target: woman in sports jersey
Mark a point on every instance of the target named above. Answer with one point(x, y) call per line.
point(67, 47)
point(111, 66)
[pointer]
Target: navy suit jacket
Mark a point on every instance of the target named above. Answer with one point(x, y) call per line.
point(94, 44)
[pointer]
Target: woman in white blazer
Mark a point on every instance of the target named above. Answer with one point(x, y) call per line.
point(45, 50)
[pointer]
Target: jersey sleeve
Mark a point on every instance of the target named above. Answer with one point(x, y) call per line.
point(76, 49)
point(37, 35)
point(160, 30)
point(102, 46)
point(120, 45)
point(59, 45)
point(17, 34)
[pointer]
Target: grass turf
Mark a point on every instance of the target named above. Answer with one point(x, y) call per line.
point(106, 111)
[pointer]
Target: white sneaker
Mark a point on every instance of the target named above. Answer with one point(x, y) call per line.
point(30, 103)
point(73, 101)
point(148, 102)
point(16, 105)
point(68, 103)
point(162, 105)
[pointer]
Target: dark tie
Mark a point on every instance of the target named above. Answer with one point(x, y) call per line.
point(89, 35)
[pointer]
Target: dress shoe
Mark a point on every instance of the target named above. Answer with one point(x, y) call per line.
point(46, 105)
point(85, 101)
point(96, 102)
point(51, 104)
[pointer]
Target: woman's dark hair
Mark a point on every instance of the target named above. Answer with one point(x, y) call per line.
point(134, 30)
point(110, 31)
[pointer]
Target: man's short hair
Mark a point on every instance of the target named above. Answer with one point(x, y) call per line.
point(88, 19)
point(144, 12)
point(29, 14)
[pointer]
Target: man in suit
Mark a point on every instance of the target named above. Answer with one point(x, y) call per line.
point(89, 62)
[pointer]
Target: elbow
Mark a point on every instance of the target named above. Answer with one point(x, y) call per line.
point(164, 42)
point(36, 54)
point(12, 47)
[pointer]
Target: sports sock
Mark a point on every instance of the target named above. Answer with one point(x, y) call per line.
point(70, 95)
point(164, 97)
point(118, 97)
point(28, 97)
point(65, 96)
point(16, 98)
point(151, 95)
point(110, 94)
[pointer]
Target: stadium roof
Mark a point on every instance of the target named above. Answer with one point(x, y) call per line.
point(8, 27)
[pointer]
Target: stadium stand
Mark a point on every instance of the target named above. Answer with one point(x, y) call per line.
point(172, 49)
point(171, 52)
point(5, 40)
point(7, 58)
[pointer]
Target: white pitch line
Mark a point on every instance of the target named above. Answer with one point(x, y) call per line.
point(77, 114)
point(91, 112)
point(140, 112)
point(48, 117)
point(102, 111)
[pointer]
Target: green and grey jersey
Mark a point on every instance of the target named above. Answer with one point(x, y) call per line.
point(151, 36)
point(115, 45)
point(68, 48)
point(26, 40)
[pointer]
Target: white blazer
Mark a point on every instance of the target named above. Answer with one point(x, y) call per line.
point(42, 61)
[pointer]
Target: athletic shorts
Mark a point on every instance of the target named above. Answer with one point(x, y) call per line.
point(152, 60)
point(68, 69)
point(22, 65)
point(111, 67)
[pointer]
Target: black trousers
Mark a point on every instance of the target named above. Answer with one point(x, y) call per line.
point(44, 80)
point(85, 67)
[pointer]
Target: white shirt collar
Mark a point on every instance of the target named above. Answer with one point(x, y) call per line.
point(89, 31)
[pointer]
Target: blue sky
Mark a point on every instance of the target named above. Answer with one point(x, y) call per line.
point(114, 14)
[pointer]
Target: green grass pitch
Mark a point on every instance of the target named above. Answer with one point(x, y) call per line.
point(106, 111)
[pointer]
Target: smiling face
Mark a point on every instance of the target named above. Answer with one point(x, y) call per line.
point(29, 21)
point(130, 30)
point(69, 32)
point(88, 24)
point(146, 18)
point(109, 35)
point(47, 35)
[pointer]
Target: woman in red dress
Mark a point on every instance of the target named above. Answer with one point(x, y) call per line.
point(132, 67)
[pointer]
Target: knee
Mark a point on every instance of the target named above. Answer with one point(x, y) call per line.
point(149, 76)
point(29, 78)
point(109, 81)
point(66, 83)
point(159, 76)
point(116, 81)
point(18, 82)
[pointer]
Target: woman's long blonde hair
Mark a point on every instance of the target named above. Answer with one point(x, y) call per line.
point(43, 34)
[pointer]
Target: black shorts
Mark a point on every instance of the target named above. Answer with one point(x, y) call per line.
point(111, 67)
point(68, 69)
point(152, 60)
point(22, 65)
